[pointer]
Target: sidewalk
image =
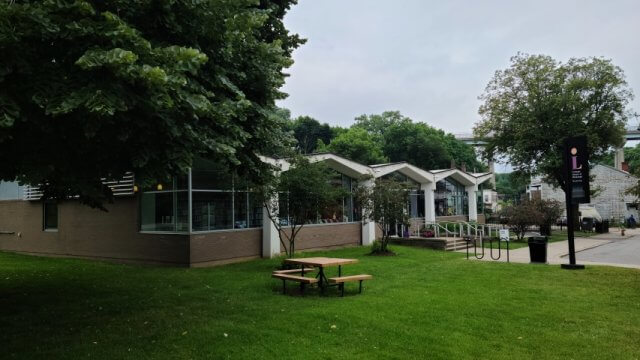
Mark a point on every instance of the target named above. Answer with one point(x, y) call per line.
point(557, 252)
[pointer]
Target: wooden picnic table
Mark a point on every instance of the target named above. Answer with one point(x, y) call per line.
point(321, 263)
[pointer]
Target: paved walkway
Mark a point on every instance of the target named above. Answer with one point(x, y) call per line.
point(617, 253)
point(603, 249)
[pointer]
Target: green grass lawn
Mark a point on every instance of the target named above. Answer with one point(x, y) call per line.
point(421, 304)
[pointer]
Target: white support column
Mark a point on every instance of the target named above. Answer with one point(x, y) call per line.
point(619, 158)
point(270, 238)
point(472, 201)
point(368, 227)
point(429, 202)
point(492, 170)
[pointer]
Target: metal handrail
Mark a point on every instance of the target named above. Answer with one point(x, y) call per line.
point(438, 227)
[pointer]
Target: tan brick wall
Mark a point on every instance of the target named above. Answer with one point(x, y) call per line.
point(90, 233)
point(327, 236)
point(225, 245)
point(113, 235)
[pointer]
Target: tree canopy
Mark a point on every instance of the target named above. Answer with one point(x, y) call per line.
point(92, 89)
point(308, 132)
point(402, 139)
point(530, 107)
point(358, 145)
point(512, 185)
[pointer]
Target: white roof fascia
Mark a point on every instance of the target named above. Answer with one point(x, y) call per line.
point(342, 165)
point(443, 174)
point(483, 178)
point(413, 172)
point(281, 164)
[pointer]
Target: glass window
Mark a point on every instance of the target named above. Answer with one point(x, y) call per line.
point(283, 208)
point(50, 215)
point(255, 211)
point(450, 198)
point(345, 209)
point(164, 211)
point(222, 200)
point(416, 203)
point(212, 210)
point(241, 209)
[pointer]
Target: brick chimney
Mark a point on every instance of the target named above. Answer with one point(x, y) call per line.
point(625, 166)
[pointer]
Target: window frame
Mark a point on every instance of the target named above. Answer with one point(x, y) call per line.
point(45, 226)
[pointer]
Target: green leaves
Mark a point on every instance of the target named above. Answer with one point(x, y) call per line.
point(530, 107)
point(137, 86)
point(96, 58)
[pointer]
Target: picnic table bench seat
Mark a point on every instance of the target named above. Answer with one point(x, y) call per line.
point(293, 271)
point(340, 280)
point(298, 278)
point(301, 279)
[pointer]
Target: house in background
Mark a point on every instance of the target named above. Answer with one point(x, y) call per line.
point(610, 185)
point(210, 216)
point(490, 199)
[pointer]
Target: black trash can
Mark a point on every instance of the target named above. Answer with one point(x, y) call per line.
point(599, 227)
point(587, 224)
point(605, 226)
point(538, 249)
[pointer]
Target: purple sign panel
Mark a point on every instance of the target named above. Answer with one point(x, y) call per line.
point(576, 164)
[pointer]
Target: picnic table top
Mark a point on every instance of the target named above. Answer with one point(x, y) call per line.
point(321, 261)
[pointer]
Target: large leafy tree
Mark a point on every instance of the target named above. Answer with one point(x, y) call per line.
point(403, 139)
point(511, 185)
point(308, 132)
point(378, 124)
point(358, 145)
point(416, 144)
point(93, 89)
point(530, 107)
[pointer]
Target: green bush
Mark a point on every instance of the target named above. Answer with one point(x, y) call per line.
point(376, 247)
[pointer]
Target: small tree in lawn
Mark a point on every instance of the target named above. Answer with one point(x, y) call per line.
point(549, 212)
point(385, 203)
point(520, 218)
point(295, 197)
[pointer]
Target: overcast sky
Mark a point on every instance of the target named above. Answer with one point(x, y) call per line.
point(431, 59)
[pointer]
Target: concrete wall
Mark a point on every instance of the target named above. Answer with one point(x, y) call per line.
point(328, 236)
point(89, 233)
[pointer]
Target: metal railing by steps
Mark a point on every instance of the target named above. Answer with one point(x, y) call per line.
point(454, 232)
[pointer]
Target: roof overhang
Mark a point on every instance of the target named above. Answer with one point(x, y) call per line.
point(342, 165)
point(462, 177)
point(481, 178)
point(412, 172)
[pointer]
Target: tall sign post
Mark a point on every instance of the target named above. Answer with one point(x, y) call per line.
point(576, 170)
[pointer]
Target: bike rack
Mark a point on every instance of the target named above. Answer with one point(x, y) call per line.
point(491, 240)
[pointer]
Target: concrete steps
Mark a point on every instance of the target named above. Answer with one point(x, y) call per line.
point(453, 244)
